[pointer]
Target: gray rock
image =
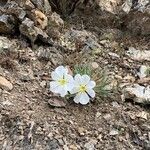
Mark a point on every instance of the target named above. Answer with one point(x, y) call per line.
point(38, 3)
point(114, 132)
point(7, 24)
point(13, 8)
point(3, 2)
point(28, 29)
point(50, 54)
point(53, 145)
point(29, 5)
point(90, 145)
point(5, 44)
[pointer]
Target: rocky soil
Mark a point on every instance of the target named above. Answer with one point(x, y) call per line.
point(38, 36)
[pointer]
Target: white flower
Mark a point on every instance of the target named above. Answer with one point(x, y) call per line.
point(84, 89)
point(63, 82)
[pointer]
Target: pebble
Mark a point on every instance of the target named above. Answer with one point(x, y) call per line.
point(73, 147)
point(98, 114)
point(107, 117)
point(81, 131)
point(115, 104)
point(65, 147)
point(89, 146)
point(95, 65)
point(43, 84)
point(143, 115)
point(5, 84)
point(50, 135)
point(7, 102)
point(114, 132)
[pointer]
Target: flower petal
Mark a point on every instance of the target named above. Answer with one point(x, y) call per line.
point(84, 98)
point(77, 98)
point(61, 70)
point(55, 76)
point(70, 86)
point(74, 90)
point(85, 79)
point(77, 79)
point(91, 84)
point(70, 82)
point(63, 92)
point(91, 92)
point(53, 86)
point(69, 78)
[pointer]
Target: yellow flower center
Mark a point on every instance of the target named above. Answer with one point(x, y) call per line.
point(82, 88)
point(62, 81)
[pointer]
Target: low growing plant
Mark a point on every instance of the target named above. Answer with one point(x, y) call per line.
point(83, 84)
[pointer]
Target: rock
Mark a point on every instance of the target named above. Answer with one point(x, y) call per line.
point(47, 7)
point(139, 94)
point(95, 65)
point(8, 103)
point(56, 21)
point(55, 101)
point(115, 104)
point(39, 19)
point(81, 131)
point(143, 71)
point(98, 114)
point(42, 35)
point(111, 6)
point(43, 84)
point(53, 144)
point(113, 55)
point(90, 145)
point(61, 141)
point(143, 115)
point(55, 25)
point(38, 4)
point(111, 35)
point(29, 5)
point(5, 44)
point(49, 54)
point(107, 117)
point(65, 147)
point(73, 147)
point(28, 29)
point(50, 135)
point(140, 5)
point(3, 3)
point(114, 132)
point(7, 24)
point(126, 7)
point(80, 41)
point(14, 9)
point(44, 53)
point(5, 84)
point(139, 55)
point(24, 77)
